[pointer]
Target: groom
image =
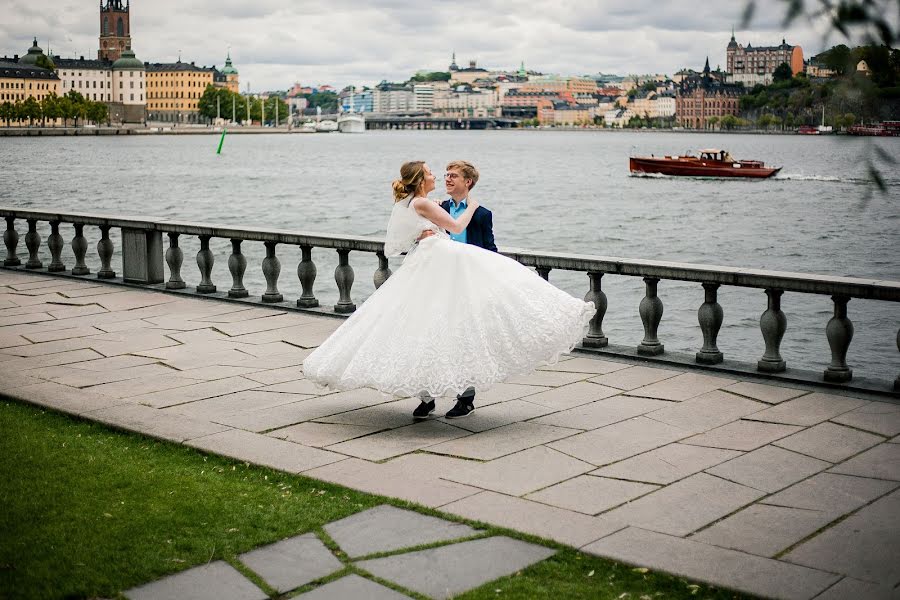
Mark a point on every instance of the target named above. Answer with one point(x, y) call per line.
point(460, 178)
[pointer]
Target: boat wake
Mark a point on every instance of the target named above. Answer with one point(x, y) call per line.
point(826, 178)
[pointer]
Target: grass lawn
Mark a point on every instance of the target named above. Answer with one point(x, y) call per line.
point(89, 512)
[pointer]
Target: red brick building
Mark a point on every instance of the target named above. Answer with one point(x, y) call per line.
point(706, 95)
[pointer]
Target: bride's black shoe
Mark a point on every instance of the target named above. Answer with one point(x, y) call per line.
point(423, 410)
point(463, 408)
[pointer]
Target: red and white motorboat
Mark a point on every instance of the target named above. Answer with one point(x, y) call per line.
point(708, 163)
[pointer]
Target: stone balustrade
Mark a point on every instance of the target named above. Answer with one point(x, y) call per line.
point(143, 256)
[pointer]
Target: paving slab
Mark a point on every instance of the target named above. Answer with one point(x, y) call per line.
point(830, 442)
point(602, 412)
point(501, 441)
point(574, 394)
point(634, 377)
point(619, 441)
point(319, 435)
point(276, 416)
point(770, 394)
point(387, 529)
point(522, 472)
point(229, 404)
point(548, 378)
point(832, 493)
point(290, 563)
point(764, 530)
point(685, 506)
point(388, 415)
point(809, 410)
point(463, 566)
point(297, 385)
point(706, 411)
point(155, 423)
point(502, 392)
point(419, 486)
point(216, 581)
point(62, 397)
point(848, 588)
point(865, 545)
point(276, 376)
point(682, 387)
point(500, 414)
point(742, 435)
point(591, 495)
point(557, 524)
point(83, 378)
point(402, 440)
point(880, 462)
point(263, 450)
point(721, 567)
point(666, 464)
point(191, 393)
point(769, 469)
point(882, 418)
point(352, 586)
point(581, 364)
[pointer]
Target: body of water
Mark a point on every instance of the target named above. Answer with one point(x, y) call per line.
point(567, 191)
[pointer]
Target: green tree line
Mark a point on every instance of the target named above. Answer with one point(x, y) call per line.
point(70, 107)
point(225, 103)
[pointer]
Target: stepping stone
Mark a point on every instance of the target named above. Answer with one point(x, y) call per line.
point(385, 529)
point(293, 562)
point(352, 586)
point(216, 581)
point(448, 571)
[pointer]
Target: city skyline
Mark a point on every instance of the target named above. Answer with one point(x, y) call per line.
point(274, 45)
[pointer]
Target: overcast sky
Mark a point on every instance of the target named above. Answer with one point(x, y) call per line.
point(275, 43)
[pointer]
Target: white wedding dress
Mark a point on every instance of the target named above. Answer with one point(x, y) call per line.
point(453, 316)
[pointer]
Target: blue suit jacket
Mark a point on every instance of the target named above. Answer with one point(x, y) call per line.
point(480, 231)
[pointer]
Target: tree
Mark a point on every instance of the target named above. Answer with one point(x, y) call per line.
point(712, 122)
point(50, 108)
point(65, 109)
point(97, 112)
point(849, 120)
point(31, 110)
point(433, 76)
point(45, 62)
point(6, 112)
point(782, 73)
point(764, 121)
point(729, 122)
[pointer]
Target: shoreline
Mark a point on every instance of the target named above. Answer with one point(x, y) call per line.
point(167, 130)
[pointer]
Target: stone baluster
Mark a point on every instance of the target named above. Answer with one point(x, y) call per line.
point(383, 271)
point(839, 332)
point(33, 243)
point(897, 380)
point(237, 265)
point(11, 239)
point(205, 261)
point(105, 251)
point(306, 273)
point(343, 276)
point(544, 272)
point(710, 316)
point(271, 268)
point(595, 337)
point(55, 243)
point(651, 311)
point(79, 248)
point(773, 324)
point(174, 258)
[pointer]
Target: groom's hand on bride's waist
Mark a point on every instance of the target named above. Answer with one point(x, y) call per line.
point(424, 234)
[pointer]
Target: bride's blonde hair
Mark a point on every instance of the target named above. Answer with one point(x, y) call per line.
point(412, 175)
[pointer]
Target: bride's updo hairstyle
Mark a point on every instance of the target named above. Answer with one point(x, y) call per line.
point(412, 175)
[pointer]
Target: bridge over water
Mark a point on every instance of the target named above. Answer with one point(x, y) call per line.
point(751, 477)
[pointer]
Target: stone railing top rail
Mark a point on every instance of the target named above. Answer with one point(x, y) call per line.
point(757, 278)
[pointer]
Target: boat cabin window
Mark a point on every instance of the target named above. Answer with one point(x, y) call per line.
point(720, 155)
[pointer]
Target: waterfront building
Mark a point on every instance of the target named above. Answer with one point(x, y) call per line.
point(704, 96)
point(561, 113)
point(174, 90)
point(19, 82)
point(392, 98)
point(466, 75)
point(228, 77)
point(362, 100)
point(523, 104)
point(752, 66)
point(560, 85)
point(115, 29)
point(814, 69)
point(618, 117)
point(465, 101)
point(423, 96)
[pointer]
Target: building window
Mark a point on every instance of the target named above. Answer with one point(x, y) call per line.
point(132, 96)
point(120, 97)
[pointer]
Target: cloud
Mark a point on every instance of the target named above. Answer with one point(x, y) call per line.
point(275, 43)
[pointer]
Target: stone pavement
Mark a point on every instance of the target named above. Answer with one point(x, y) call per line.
point(437, 572)
point(770, 490)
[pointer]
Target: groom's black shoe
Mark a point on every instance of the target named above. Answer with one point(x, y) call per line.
point(423, 410)
point(464, 408)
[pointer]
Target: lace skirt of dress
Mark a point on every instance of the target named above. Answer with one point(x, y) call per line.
point(452, 316)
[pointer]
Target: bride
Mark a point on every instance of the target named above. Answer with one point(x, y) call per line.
point(453, 316)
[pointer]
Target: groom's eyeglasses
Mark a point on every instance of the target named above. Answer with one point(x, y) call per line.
point(451, 175)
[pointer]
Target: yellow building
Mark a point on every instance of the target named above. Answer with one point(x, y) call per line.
point(174, 90)
point(21, 78)
point(573, 85)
